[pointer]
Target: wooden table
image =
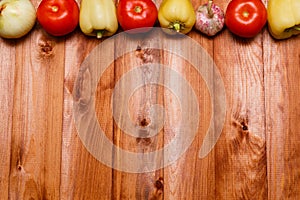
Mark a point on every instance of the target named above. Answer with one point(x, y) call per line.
point(256, 157)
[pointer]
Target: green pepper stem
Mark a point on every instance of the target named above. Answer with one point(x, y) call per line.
point(99, 34)
point(296, 28)
point(176, 27)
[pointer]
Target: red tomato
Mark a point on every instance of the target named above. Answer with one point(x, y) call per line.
point(134, 14)
point(58, 17)
point(245, 18)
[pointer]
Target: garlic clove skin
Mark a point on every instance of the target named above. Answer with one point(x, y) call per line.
point(210, 19)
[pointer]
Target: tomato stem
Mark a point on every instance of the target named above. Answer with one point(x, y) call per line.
point(138, 9)
point(245, 14)
point(54, 8)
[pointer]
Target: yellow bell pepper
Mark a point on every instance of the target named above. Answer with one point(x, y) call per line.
point(283, 18)
point(177, 15)
point(98, 18)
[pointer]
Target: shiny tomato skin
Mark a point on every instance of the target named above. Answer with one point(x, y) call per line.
point(133, 14)
point(245, 18)
point(58, 17)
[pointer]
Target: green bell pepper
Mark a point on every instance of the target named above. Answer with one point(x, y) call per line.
point(177, 15)
point(283, 18)
point(98, 18)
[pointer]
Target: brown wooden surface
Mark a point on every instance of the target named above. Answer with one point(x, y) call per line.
point(256, 157)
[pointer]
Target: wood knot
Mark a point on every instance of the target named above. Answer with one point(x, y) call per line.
point(138, 48)
point(144, 54)
point(19, 167)
point(241, 124)
point(159, 184)
point(144, 122)
point(244, 126)
point(144, 141)
point(158, 191)
point(46, 48)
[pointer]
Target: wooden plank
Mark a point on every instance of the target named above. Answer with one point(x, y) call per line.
point(191, 177)
point(282, 70)
point(257, 156)
point(142, 184)
point(241, 161)
point(83, 176)
point(37, 119)
point(187, 178)
point(204, 170)
point(7, 73)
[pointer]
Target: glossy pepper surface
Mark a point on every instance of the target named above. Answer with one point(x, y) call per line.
point(177, 15)
point(98, 18)
point(283, 18)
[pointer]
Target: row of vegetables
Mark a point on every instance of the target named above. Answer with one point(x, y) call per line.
point(102, 18)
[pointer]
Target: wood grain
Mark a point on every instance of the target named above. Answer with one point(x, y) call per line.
point(257, 156)
point(178, 182)
point(241, 169)
point(139, 109)
point(36, 139)
point(90, 179)
point(7, 88)
point(282, 111)
point(148, 185)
